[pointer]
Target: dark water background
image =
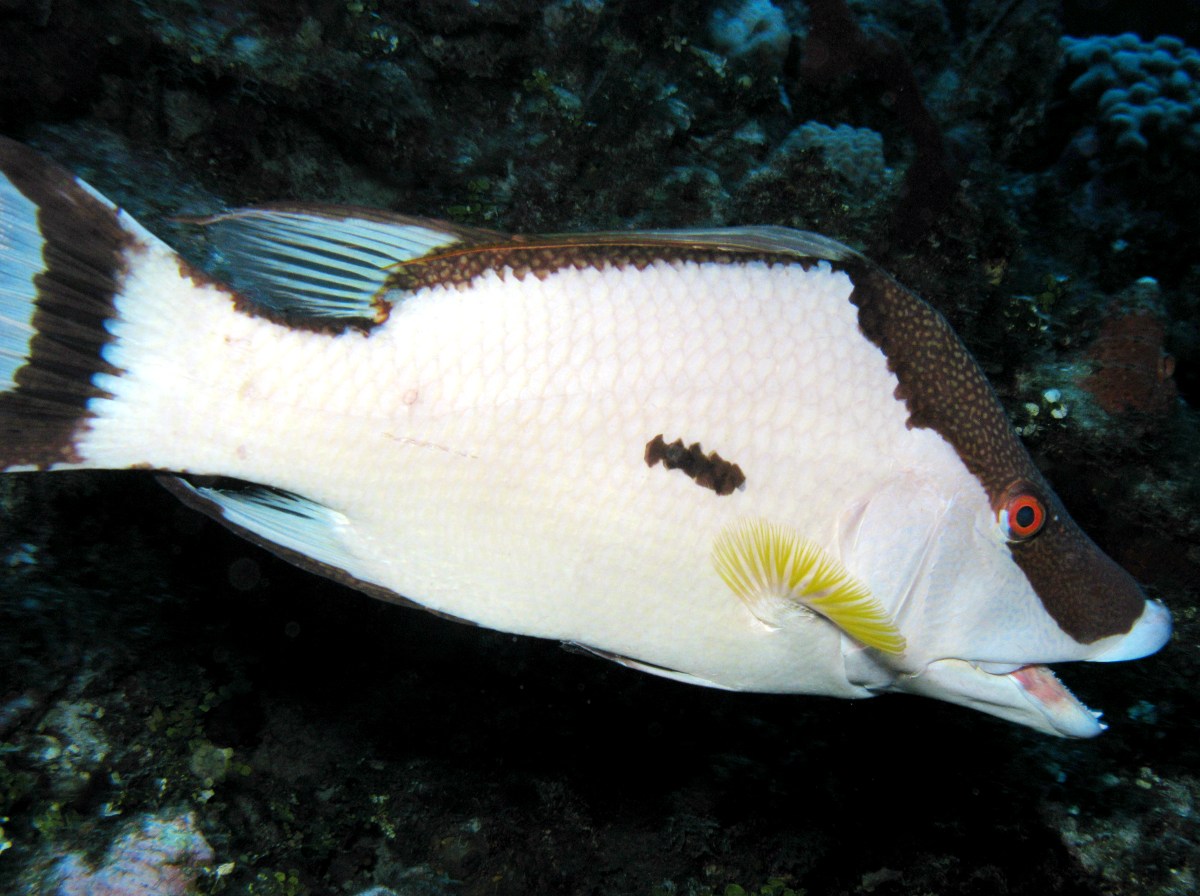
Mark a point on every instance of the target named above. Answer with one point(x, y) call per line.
point(151, 664)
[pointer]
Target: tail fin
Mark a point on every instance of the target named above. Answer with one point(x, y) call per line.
point(70, 260)
point(62, 253)
point(113, 349)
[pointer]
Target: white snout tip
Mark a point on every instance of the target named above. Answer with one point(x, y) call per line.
point(1149, 633)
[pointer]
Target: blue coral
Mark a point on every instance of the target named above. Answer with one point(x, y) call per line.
point(755, 31)
point(1146, 94)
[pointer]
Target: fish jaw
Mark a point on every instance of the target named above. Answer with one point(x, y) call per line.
point(1030, 695)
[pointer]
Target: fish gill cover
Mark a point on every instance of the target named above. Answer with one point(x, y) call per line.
point(177, 701)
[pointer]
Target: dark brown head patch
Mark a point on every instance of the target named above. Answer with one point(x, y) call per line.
point(83, 254)
point(706, 470)
point(1084, 591)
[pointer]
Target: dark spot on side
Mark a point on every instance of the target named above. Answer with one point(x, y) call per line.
point(707, 470)
point(943, 389)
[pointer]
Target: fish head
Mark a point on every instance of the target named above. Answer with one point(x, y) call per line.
point(984, 608)
point(987, 576)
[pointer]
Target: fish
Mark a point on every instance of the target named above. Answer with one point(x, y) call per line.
point(745, 458)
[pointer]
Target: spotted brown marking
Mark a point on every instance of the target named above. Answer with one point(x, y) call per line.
point(85, 255)
point(539, 257)
point(944, 390)
point(707, 470)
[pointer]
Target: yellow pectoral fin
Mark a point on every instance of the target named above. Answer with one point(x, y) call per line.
point(762, 561)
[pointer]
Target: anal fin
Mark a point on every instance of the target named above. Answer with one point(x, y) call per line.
point(294, 528)
point(649, 668)
point(277, 519)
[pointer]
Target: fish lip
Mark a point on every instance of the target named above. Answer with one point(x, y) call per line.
point(1029, 695)
point(1063, 711)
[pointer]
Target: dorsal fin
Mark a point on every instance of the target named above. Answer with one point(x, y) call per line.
point(324, 262)
point(337, 263)
point(764, 240)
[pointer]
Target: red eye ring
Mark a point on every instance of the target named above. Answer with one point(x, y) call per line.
point(1022, 515)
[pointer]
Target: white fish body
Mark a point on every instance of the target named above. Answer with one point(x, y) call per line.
point(499, 444)
point(488, 447)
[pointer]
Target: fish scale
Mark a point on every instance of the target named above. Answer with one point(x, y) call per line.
point(499, 443)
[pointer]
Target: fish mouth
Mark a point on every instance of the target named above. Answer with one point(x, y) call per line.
point(1029, 695)
point(1066, 714)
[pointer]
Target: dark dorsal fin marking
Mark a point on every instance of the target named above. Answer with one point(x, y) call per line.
point(706, 470)
point(331, 268)
point(543, 255)
point(326, 267)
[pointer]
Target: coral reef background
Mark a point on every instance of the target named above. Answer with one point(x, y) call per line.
point(182, 713)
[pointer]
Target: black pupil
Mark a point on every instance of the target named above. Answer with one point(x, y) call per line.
point(1025, 517)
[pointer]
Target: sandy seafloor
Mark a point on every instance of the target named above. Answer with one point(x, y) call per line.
point(182, 713)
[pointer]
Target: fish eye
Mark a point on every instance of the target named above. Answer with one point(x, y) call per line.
point(1022, 513)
